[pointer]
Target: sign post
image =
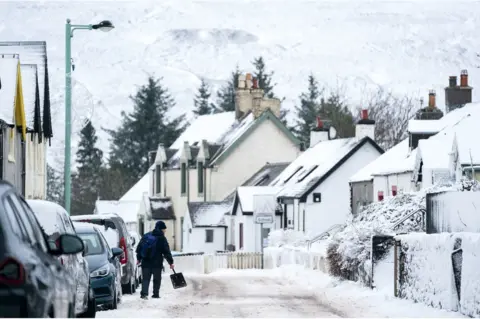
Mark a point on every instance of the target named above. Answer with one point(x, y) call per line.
point(264, 213)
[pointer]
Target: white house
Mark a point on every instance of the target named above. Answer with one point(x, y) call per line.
point(244, 234)
point(153, 209)
point(400, 168)
point(218, 152)
point(315, 191)
point(205, 228)
point(25, 119)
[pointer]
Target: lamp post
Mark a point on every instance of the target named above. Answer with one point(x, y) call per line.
point(69, 28)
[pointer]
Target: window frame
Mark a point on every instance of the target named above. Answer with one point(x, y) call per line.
point(200, 177)
point(211, 237)
point(183, 179)
point(158, 179)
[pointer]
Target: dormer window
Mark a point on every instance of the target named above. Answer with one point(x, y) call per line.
point(183, 177)
point(200, 177)
point(158, 179)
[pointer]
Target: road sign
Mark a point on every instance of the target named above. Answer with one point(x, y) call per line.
point(264, 219)
point(264, 208)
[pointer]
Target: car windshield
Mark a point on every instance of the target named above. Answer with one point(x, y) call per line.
point(93, 243)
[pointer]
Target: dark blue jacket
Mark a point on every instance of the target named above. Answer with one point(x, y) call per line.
point(162, 247)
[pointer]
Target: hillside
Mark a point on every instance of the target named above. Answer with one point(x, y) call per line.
point(407, 46)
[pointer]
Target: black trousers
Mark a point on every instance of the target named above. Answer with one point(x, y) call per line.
point(147, 273)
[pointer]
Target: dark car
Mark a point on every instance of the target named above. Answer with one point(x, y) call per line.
point(33, 283)
point(121, 239)
point(55, 222)
point(104, 266)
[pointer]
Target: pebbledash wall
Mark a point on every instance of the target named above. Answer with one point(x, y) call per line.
point(441, 270)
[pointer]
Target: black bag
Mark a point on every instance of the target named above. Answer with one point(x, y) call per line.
point(178, 281)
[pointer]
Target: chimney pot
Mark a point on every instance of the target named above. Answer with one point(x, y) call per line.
point(431, 99)
point(464, 78)
point(364, 114)
point(255, 83)
point(452, 82)
point(319, 122)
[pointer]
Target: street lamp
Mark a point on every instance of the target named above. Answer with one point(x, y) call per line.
point(69, 28)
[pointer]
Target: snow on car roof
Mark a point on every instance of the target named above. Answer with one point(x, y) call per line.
point(48, 215)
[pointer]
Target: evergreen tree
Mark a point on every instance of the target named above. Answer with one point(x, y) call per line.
point(226, 95)
point(337, 111)
point(87, 180)
point(142, 130)
point(308, 110)
point(264, 77)
point(202, 100)
point(54, 186)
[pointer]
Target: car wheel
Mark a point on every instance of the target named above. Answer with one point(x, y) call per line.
point(91, 310)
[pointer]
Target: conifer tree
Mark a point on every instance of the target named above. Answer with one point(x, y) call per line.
point(264, 77)
point(226, 95)
point(202, 100)
point(308, 110)
point(54, 186)
point(142, 130)
point(87, 180)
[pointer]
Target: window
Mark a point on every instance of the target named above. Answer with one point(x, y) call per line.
point(23, 219)
point(240, 232)
point(12, 219)
point(158, 179)
point(209, 235)
point(1, 154)
point(296, 171)
point(200, 177)
point(183, 173)
point(306, 173)
point(35, 225)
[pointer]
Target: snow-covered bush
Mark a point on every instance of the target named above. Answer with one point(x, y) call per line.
point(288, 237)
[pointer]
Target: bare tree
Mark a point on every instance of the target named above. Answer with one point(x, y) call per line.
point(391, 114)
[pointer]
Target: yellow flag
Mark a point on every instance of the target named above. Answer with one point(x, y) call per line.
point(19, 107)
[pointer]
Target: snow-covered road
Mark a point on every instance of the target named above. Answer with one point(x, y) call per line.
point(227, 296)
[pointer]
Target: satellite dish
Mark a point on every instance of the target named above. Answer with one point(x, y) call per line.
point(332, 133)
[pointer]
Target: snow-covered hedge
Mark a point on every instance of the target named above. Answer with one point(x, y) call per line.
point(348, 252)
point(428, 272)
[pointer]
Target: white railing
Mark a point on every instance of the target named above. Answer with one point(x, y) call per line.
point(329, 232)
point(207, 263)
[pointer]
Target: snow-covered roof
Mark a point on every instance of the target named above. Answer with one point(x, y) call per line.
point(313, 164)
point(263, 176)
point(245, 195)
point(435, 153)
point(127, 210)
point(206, 127)
point(136, 192)
point(424, 126)
point(209, 213)
point(8, 78)
point(400, 159)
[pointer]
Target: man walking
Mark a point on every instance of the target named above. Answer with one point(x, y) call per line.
point(150, 251)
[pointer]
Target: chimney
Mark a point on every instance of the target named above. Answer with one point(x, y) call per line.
point(457, 96)
point(243, 97)
point(431, 99)
point(452, 81)
point(463, 78)
point(319, 133)
point(365, 126)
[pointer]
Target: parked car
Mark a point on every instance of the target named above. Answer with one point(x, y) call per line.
point(104, 266)
point(138, 270)
point(33, 282)
point(55, 222)
point(121, 239)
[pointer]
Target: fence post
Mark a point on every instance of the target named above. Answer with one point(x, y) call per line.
point(395, 268)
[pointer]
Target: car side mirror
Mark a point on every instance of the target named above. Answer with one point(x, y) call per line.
point(66, 244)
point(116, 251)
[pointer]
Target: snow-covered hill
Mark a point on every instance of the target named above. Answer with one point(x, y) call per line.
point(408, 46)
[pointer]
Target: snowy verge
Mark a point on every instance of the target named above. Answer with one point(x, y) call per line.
point(354, 300)
point(428, 274)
